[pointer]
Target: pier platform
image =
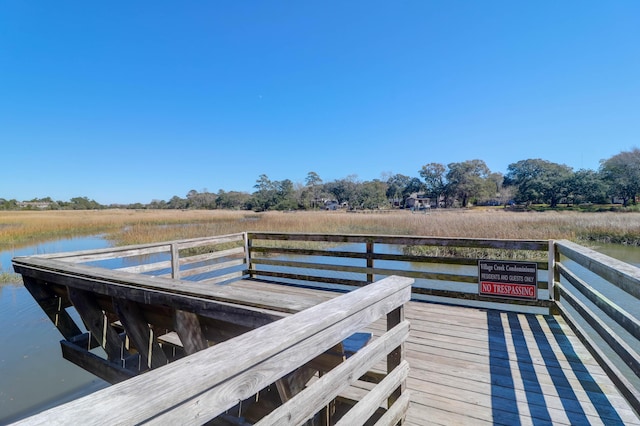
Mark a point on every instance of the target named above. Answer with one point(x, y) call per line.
point(475, 366)
point(254, 328)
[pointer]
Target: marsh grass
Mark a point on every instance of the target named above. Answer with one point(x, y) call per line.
point(9, 278)
point(21, 228)
point(124, 227)
point(575, 226)
point(476, 253)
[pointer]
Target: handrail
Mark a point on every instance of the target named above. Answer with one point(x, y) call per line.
point(252, 254)
point(224, 254)
point(217, 378)
point(612, 342)
point(355, 267)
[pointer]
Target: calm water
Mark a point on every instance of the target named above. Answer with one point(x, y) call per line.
point(33, 374)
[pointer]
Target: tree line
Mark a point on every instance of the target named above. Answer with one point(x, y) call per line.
point(526, 182)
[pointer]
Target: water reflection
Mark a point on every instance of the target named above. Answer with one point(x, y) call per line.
point(629, 254)
point(34, 374)
point(57, 246)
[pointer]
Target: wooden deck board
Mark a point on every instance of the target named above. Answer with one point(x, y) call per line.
point(476, 366)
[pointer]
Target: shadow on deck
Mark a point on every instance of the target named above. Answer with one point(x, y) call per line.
point(474, 366)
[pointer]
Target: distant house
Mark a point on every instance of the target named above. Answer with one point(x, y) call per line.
point(417, 201)
point(331, 205)
point(40, 205)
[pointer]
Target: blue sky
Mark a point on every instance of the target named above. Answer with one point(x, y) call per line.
point(128, 102)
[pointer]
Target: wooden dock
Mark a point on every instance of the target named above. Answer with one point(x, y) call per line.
point(475, 366)
point(206, 329)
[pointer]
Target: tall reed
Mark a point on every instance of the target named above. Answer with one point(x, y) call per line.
point(604, 227)
point(124, 227)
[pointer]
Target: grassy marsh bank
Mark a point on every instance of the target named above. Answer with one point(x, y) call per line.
point(124, 227)
point(580, 227)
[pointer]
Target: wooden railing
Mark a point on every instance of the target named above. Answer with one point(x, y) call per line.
point(223, 256)
point(611, 333)
point(231, 375)
point(567, 283)
point(357, 260)
point(341, 262)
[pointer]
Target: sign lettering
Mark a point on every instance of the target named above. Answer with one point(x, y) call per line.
point(515, 280)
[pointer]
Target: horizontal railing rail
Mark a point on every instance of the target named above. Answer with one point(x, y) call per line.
point(213, 259)
point(444, 269)
point(214, 381)
point(610, 332)
point(356, 260)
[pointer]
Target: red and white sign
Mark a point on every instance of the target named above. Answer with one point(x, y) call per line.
point(509, 290)
point(515, 280)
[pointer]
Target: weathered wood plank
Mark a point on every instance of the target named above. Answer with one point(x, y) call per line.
point(230, 253)
point(53, 306)
point(206, 241)
point(541, 245)
point(396, 356)
point(109, 253)
point(630, 392)
point(147, 267)
point(364, 270)
point(458, 373)
point(189, 330)
point(534, 381)
point(304, 405)
point(432, 414)
point(370, 403)
point(397, 411)
point(618, 273)
point(619, 315)
point(97, 323)
point(314, 322)
point(293, 382)
point(186, 295)
point(460, 295)
point(619, 346)
point(308, 278)
point(218, 366)
point(141, 249)
point(108, 371)
point(210, 268)
point(283, 289)
point(374, 256)
point(138, 330)
point(226, 277)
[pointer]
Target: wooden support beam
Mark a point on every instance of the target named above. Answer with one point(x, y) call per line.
point(291, 384)
point(97, 323)
point(53, 306)
point(217, 331)
point(219, 302)
point(106, 370)
point(189, 330)
point(139, 332)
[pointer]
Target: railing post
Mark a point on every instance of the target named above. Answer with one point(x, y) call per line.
point(370, 276)
point(551, 268)
point(247, 253)
point(553, 276)
point(175, 261)
point(395, 357)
